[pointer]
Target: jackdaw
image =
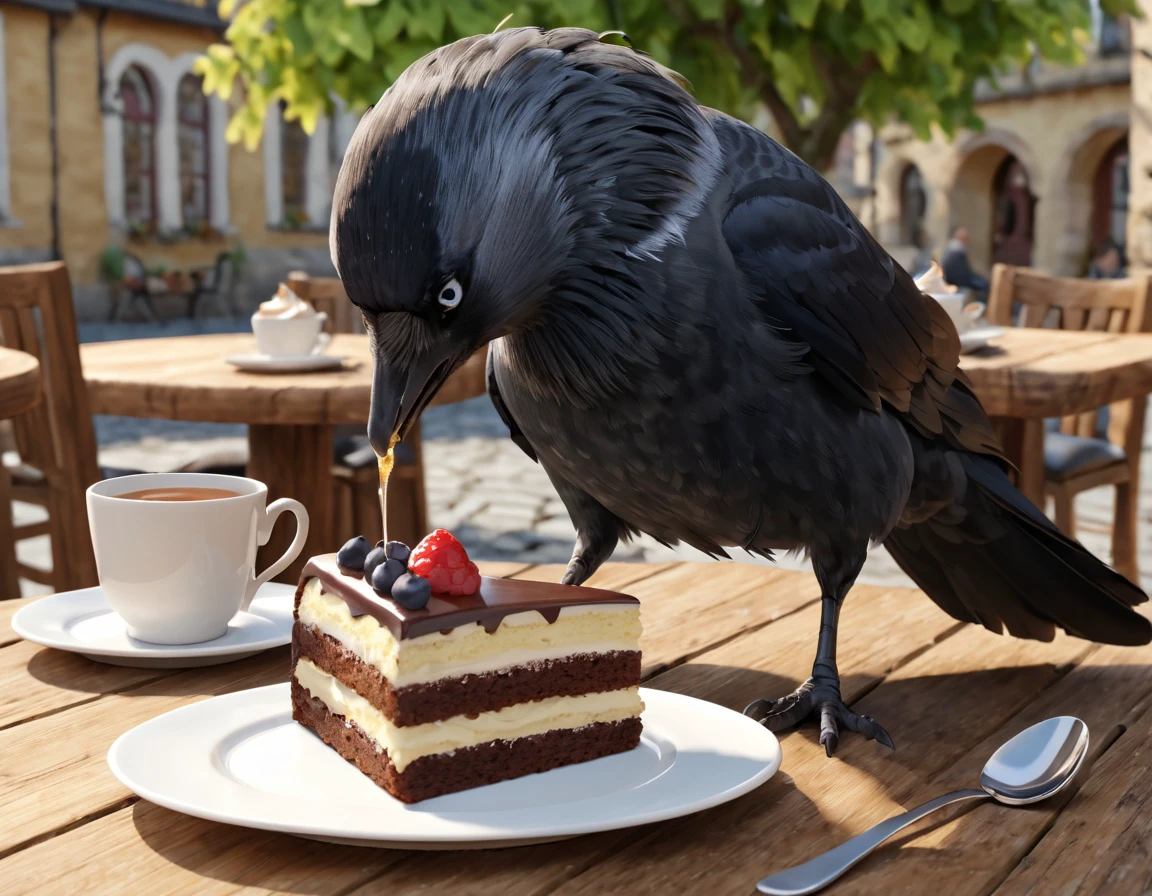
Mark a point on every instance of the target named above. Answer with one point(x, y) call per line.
point(693, 335)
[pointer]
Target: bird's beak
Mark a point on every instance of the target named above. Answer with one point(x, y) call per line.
point(400, 395)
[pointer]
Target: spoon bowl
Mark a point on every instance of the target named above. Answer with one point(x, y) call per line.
point(1037, 763)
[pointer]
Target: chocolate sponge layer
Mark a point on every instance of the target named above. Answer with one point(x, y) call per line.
point(469, 767)
point(417, 704)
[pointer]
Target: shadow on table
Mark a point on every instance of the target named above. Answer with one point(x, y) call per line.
point(72, 672)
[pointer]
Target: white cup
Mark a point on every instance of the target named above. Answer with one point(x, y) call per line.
point(279, 336)
point(963, 313)
point(178, 571)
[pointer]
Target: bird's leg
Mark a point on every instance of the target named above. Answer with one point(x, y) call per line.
point(597, 531)
point(592, 549)
point(820, 696)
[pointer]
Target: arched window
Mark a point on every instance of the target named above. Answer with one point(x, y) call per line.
point(192, 146)
point(1110, 196)
point(294, 173)
point(139, 118)
point(913, 204)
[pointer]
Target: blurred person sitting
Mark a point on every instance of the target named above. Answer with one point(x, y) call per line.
point(1107, 263)
point(957, 268)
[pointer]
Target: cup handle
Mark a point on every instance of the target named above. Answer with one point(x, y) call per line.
point(322, 340)
point(973, 312)
point(264, 532)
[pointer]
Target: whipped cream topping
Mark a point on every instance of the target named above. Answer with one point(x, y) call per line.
point(285, 305)
point(933, 283)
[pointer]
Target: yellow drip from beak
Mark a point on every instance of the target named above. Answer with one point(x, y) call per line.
point(385, 465)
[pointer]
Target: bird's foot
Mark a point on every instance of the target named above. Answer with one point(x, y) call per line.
point(820, 698)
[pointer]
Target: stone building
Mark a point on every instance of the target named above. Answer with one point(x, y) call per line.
point(106, 139)
point(1044, 183)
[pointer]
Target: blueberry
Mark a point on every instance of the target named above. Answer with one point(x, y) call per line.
point(374, 559)
point(411, 591)
point(397, 550)
point(385, 574)
point(350, 558)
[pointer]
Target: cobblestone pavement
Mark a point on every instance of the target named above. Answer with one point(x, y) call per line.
point(481, 486)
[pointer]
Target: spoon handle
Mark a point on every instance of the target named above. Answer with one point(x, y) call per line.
point(819, 872)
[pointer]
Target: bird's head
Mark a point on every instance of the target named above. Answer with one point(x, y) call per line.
point(501, 181)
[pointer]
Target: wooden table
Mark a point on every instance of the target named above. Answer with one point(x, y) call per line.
point(290, 417)
point(1030, 374)
point(948, 693)
point(19, 382)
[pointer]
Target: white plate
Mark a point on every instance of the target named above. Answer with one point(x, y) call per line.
point(284, 363)
point(240, 759)
point(978, 337)
point(82, 622)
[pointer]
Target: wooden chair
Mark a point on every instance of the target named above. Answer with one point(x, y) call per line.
point(55, 441)
point(357, 502)
point(1097, 447)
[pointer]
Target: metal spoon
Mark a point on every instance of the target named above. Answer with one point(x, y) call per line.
point(1034, 765)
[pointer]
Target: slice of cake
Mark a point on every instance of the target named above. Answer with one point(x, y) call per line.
point(518, 677)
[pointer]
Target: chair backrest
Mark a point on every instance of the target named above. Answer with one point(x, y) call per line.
point(214, 276)
point(1111, 306)
point(327, 294)
point(57, 436)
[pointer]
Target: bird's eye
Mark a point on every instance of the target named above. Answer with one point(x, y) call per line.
point(451, 293)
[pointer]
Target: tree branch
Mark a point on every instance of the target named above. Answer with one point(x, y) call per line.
point(790, 128)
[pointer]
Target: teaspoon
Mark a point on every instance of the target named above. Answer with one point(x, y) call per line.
point(1035, 764)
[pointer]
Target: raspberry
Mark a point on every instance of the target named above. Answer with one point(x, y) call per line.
point(442, 560)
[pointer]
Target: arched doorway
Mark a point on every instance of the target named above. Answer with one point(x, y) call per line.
point(1014, 208)
point(1110, 196)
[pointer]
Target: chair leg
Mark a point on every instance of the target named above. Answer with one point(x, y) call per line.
point(9, 580)
point(1065, 511)
point(1124, 549)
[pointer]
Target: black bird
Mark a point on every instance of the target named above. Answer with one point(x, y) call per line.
point(693, 335)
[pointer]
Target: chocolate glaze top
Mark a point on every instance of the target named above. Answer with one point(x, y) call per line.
point(496, 599)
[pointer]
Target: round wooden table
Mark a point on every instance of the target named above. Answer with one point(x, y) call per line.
point(19, 382)
point(290, 417)
point(1029, 374)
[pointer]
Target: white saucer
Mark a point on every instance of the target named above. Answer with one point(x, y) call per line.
point(240, 759)
point(82, 622)
point(256, 363)
point(979, 337)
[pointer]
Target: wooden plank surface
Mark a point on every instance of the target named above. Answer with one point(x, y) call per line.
point(187, 378)
point(19, 382)
point(947, 693)
point(8, 609)
point(1031, 372)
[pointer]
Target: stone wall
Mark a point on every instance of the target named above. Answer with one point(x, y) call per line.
point(1059, 137)
point(1140, 147)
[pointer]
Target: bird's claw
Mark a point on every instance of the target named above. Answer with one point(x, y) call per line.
point(821, 699)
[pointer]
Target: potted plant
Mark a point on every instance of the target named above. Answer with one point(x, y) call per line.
point(112, 264)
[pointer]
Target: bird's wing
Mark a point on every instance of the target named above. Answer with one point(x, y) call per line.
point(502, 409)
point(819, 276)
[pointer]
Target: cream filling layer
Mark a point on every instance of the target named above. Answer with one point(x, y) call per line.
point(469, 649)
point(407, 744)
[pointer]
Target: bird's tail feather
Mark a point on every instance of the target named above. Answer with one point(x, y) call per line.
point(997, 560)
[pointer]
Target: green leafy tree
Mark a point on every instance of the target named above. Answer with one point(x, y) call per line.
point(816, 65)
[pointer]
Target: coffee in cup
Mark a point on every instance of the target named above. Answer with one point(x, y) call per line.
point(176, 552)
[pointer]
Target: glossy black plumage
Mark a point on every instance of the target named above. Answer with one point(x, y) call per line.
point(693, 335)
